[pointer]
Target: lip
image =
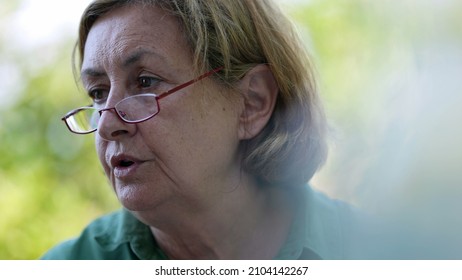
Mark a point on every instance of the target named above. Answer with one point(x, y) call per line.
point(124, 166)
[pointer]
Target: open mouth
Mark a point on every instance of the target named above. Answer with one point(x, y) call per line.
point(125, 163)
point(124, 167)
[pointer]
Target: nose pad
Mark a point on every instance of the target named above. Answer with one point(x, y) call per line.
point(111, 126)
point(122, 114)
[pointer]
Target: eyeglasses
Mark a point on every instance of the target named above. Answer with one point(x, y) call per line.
point(133, 109)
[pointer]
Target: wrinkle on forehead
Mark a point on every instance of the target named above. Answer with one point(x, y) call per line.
point(122, 31)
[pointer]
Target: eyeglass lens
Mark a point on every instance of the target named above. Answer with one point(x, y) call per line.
point(83, 120)
point(131, 109)
point(138, 107)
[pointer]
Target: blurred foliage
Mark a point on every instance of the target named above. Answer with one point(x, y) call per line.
point(390, 78)
point(51, 184)
point(389, 73)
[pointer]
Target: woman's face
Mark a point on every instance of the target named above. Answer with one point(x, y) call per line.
point(186, 155)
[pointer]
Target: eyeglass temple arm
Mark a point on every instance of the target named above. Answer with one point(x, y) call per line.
point(167, 93)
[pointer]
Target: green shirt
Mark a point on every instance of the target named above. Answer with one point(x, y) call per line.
point(324, 229)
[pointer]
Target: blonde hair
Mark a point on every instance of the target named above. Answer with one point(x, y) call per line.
point(239, 35)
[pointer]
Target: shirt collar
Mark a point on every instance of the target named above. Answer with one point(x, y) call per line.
point(128, 229)
point(315, 231)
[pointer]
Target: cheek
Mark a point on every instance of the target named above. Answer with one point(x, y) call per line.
point(193, 137)
point(209, 134)
point(101, 147)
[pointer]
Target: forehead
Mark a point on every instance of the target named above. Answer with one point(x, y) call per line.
point(120, 33)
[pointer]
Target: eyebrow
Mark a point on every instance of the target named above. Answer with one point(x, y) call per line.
point(127, 62)
point(91, 72)
point(137, 56)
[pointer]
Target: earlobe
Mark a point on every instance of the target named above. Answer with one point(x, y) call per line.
point(260, 90)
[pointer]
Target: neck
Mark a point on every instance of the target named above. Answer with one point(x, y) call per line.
point(251, 222)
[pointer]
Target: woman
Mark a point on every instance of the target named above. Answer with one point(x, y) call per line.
point(208, 125)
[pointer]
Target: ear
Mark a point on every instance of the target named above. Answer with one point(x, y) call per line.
point(259, 90)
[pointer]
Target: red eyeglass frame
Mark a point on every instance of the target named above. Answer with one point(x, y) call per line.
point(158, 97)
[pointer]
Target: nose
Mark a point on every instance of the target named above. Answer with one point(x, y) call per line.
point(111, 127)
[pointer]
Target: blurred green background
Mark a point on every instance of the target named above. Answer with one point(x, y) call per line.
point(390, 76)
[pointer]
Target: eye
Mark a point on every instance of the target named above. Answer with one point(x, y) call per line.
point(97, 95)
point(146, 81)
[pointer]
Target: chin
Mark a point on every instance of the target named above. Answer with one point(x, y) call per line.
point(137, 198)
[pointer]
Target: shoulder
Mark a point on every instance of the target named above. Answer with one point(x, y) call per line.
point(107, 237)
point(335, 229)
